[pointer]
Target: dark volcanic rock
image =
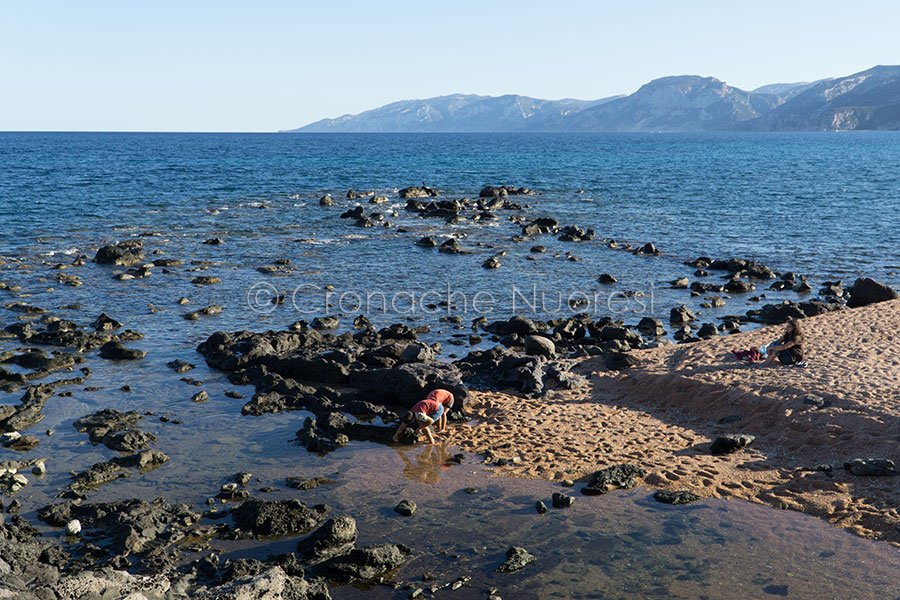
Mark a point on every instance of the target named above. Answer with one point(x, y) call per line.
point(415, 191)
point(274, 583)
point(97, 475)
point(559, 500)
point(29, 410)
point(726, 444)
point(118, 351)
point(406, 508)
point(304, 483)
point(867, 291)
point(405, 385)
point(538, 345)
point(681, 314)
point(517, 558)
point(675, 496)
point(618, 361)
point(871, 467)
point(611, 478)
point(128, 441)
point(131, 526)
point(106, 323)
point(651, 326)
point(492, 263)
point(335, 537)
point(125, 254)
point(277, 518)
point(100, 424)
point(367, 563)
point(707, 330)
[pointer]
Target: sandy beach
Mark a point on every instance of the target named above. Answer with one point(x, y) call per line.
point(663, 414)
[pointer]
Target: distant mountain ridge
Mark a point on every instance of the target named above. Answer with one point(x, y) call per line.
point(866, 100)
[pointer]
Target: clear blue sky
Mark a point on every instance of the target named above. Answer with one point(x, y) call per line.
point(264, 66)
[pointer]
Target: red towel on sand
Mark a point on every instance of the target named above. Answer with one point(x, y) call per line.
point(751, 355)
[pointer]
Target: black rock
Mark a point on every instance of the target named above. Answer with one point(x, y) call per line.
point(618, 361)
point(414, 191)
point(406, 508)
point(681, 314)
point(106, 323)
point(540, 507)
point(726, 444)
point(707, 330)
point(675, 496)
point(125, 254)
point(871, 467)
point(651, 326)
point(118, 351)
point(867, 291)
point(305, 484)
point(538, 345)
point(559, 500)
point(616, 477)
point(776, 590)
point(366, 563)
point(335, 537)
point(517, 558)
point(277, 518)
point(492, 263)
point(606, 278)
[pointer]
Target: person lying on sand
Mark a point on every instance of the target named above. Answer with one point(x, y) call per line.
point(426, 413)
point(788, 349)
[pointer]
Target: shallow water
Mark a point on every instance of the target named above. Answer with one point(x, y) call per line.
point(821, 204)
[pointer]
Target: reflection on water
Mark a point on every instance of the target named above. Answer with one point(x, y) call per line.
point(426, 464)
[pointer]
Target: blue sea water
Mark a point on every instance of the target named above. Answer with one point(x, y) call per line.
point(823, 205)
point(820, 204)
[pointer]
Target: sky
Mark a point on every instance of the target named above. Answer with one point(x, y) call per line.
point(267, 65)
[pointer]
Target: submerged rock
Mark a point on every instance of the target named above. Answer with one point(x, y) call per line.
point(304, 484)
point(277, 518)
point(367, 563)
point(118, 351)
point(517, 558)
point(675, 496)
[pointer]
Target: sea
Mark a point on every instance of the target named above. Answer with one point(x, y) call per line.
point(825, 206)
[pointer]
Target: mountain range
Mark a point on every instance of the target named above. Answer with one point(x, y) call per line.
point(866, 100)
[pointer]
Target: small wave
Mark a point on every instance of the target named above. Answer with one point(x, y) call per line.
point(318, 241)
point(67, 252)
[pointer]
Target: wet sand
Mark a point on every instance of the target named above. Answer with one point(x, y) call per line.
point(663, 414)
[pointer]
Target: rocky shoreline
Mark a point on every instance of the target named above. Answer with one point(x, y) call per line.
point(353, 380)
